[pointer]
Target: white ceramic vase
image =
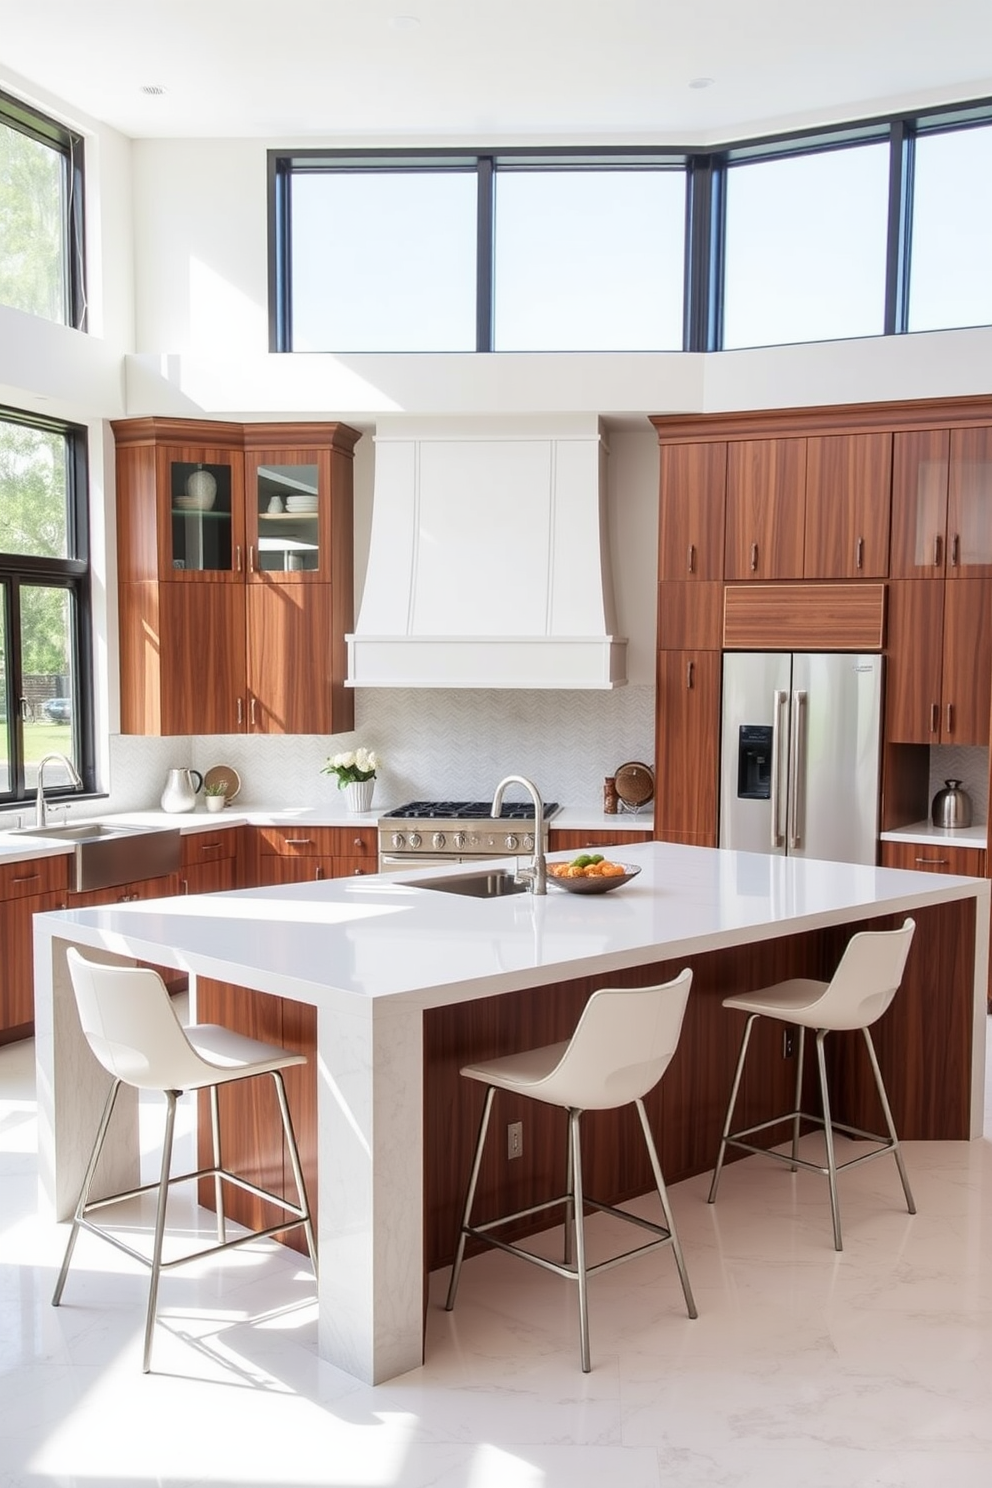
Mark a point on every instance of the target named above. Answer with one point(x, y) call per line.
point(201, 489)
point(359, 796)
point(215, 803)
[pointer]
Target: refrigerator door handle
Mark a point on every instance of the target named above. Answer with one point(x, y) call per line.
point(797, 768)
point(781, 702)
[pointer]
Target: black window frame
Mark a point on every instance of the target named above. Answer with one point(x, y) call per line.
point(706, 171)
point(73, 575)
point(15, 114)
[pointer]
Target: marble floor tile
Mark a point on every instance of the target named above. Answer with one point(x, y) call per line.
point(804, 1369)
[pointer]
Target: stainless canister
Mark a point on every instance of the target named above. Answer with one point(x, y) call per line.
point(951, 806)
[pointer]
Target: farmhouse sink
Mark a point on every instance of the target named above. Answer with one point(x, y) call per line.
point(104, 856)
point(486, 885)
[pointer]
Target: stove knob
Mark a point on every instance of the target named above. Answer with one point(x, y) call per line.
point(415, 839)
point(511, 843)
point(459, 839)
point(438, 840)
point(528, 844)
point(397, 840)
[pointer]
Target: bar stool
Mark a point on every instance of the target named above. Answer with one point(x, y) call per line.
point(620, 1049)
point(130, 1024)
point(864, 984)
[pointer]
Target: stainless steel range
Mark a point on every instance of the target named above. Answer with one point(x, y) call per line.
point(423, 834)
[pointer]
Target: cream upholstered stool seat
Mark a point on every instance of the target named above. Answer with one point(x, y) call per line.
point(619, 1051)
point(864, 984)
point(131, 1025)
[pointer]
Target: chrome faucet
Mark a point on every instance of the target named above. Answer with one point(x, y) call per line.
point(537, 874)
point(41, 816)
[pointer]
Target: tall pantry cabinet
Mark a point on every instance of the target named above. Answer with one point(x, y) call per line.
point(235, 547)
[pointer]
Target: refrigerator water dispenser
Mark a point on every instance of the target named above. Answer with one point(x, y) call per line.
point(754, 762)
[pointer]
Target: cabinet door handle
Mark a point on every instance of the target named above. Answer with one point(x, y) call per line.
point(251, 707)
point(950, 718)
point(318, 872)
point(934, 717)
point(184, 882)
point(955, 549)
point(754, 557)
point(934, 862)
point(251, 558)
point(359, 844)
point(241, 711)
point(937, 545)
point(691, 558)
point(859, 554)
point(237, 558)
point(690, 668)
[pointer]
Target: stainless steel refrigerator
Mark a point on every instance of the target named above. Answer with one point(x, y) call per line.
point(800, 754)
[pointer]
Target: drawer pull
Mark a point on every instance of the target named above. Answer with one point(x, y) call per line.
point(359, 843)
point(297, 841)
point(935, 862)
point(25, 877)
point(209, 846)
point(359, 873)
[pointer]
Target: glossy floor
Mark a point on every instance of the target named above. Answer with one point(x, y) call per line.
point(805, 1369)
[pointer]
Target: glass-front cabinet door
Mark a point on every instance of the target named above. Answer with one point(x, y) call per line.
point(204, 529)
point(287, 511)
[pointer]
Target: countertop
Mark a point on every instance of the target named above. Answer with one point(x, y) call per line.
point(383, 937)
point(930, 836)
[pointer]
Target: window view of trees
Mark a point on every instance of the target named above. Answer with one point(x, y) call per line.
point(33, 257)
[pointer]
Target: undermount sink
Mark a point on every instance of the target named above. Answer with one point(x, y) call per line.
point(486, 885)
point(104, 856)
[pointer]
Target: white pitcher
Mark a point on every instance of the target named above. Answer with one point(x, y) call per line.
point(180, 792)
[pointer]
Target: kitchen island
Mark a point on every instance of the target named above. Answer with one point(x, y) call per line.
point(396, 985)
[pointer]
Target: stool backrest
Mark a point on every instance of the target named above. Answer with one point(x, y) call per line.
point(867, 978)
point(131, 1026)
point(621, 1047)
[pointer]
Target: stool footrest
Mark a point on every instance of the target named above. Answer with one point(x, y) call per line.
point(484, 1232)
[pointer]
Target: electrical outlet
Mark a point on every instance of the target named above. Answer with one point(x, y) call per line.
point(515, 1139)
point(788, 1043)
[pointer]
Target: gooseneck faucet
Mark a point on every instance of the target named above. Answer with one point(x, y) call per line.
point(41, 815)
point(537, 874)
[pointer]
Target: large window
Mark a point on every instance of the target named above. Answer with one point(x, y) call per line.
point(951, 255)
point(870, 228)
point(805, 247)
point(41, 216)
point(45, 682)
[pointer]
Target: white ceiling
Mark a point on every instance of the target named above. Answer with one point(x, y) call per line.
point(605, 71)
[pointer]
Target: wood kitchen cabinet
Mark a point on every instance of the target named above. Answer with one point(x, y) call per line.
point(848, 480)
point(209, 861)
point(939, 683)
point(691, 511)
point(766, 495)
point(934, 857)
point(296, 854)
point(942, 504)
point(26, 889)
point(233, 618)
point(687, 742)
point(568, 839)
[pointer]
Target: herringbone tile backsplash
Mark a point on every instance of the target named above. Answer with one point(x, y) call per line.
point(433, 744)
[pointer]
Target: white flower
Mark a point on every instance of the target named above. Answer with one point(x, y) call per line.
point(352, 765)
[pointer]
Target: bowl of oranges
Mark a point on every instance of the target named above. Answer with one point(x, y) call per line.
point(590, 873)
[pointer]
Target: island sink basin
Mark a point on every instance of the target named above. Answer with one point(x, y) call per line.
point(486, 885)
point(104, 856)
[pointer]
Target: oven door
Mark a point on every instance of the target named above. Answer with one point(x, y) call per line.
point(404, 862)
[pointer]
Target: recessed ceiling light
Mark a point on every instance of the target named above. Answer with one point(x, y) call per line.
point(153, 90)
point(405, 22)
point(701, 82)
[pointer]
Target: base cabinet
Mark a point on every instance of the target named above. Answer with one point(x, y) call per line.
point(687, 747)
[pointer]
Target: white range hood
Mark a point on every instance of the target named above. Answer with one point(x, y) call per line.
point(489, 560)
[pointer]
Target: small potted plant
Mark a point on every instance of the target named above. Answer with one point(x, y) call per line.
point(356, 771)
point(216, 795)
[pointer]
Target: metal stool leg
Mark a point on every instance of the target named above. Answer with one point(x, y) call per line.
point(570, 1200)
point(218, 1181)
point(828, 1135)
point(889, 1123)
point(666, 1209)
point(580, 1241)
point(84, 1192)
point(294, 1159)
point(470, 1197)
point(728, 1122)
point(163, 1199)
point(797, 1107)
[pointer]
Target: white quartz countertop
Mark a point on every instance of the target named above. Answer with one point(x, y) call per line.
point(930, 836)
point(382, 937)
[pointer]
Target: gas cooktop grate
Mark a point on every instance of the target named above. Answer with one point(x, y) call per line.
point(470, 810)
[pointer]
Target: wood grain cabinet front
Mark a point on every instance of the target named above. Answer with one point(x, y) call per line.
point(299, 854)
point(691, 511)
point(848, 479)
point(569, 839)
point(939, 683)
point(942, 504)
point(687, 747)
point(235, 568)
point(934, 857)
point(26, 889)
point(766, 499)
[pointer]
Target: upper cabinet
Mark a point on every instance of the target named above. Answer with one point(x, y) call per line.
point(691, 511)
point(235, 564)
point(942, 504)
point(766, 496)
point(848, 479)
